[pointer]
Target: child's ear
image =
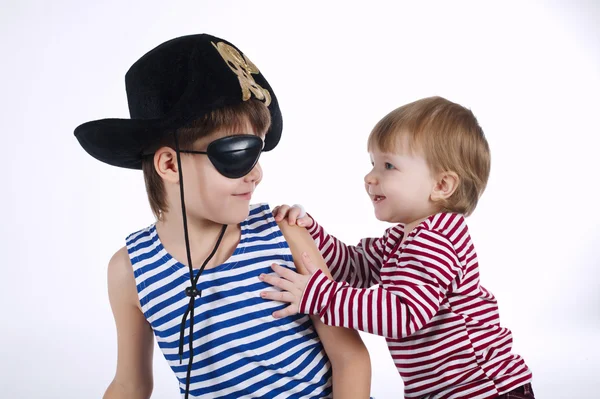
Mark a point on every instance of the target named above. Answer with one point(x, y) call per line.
point(165, 164)
point(445, 185)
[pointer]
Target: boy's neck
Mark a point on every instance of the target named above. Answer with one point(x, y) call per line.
point(203, 236)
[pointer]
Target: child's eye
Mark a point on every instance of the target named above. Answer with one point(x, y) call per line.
point(389, 165)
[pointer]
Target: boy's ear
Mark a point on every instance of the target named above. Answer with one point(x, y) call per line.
point(165, 164)
point(445, 185)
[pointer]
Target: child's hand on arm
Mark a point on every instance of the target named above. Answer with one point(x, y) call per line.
point(358, 265)
point(292, 286)
point(294, 215)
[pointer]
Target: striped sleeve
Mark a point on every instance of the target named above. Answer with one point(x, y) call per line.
point(414, 289)
point(358, 265)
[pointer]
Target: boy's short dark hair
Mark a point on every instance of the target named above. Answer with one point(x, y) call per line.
point(231, 119)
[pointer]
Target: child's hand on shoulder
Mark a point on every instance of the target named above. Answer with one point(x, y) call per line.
point(294, 215)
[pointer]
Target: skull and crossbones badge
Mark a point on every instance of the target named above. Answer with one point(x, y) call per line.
point(243, 68)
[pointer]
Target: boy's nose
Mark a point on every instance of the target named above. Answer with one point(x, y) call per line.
point(255, 174)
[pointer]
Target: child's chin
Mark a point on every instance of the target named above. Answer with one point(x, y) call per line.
point(380, 216)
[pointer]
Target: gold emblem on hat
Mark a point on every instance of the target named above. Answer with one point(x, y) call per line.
point(243, 68)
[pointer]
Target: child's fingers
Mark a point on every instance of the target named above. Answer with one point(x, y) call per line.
point(305, 221)
point(301, 212)
point(284, 272)
point(294, 215)
point(277, 282)
point(281, 212)
point(295, 212)
point(275, 211)
point(280, 296)
point(289, 311)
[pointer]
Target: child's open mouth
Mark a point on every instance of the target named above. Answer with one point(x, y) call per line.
point(378, 198)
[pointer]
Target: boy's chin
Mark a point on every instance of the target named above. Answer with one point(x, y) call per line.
point(234, 215)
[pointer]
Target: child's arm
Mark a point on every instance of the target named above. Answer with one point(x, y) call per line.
point(133, 379)
point(409, 299)
point(350, 362)
point(357, 265)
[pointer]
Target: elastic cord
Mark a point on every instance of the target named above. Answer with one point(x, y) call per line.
point(191, 291)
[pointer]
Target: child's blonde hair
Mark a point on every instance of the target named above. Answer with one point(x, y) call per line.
point(449, 137)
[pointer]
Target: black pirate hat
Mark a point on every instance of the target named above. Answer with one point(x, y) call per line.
point(175, 83)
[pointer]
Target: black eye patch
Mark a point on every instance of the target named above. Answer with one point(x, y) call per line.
point(233, 156)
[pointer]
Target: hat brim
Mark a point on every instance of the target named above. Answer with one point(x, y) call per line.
point(118, 142)
point(122, 142)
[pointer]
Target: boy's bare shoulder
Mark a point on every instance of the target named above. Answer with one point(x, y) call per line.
point(120, 275)
point(120, 264)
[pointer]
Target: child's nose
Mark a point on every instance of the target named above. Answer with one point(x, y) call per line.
point(370, 178)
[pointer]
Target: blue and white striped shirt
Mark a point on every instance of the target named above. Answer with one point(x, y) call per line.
point(240, 350)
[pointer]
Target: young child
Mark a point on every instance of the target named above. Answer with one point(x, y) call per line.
point(202, 113)
point(431, 163)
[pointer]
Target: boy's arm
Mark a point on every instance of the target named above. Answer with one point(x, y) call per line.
point(411, 297)
point(133, 378)
point(358, 265)
point(350, 362)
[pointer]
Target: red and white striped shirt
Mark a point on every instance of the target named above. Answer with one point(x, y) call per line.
point(441, 326)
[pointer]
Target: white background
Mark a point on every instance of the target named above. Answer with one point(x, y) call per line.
point(531, 74)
